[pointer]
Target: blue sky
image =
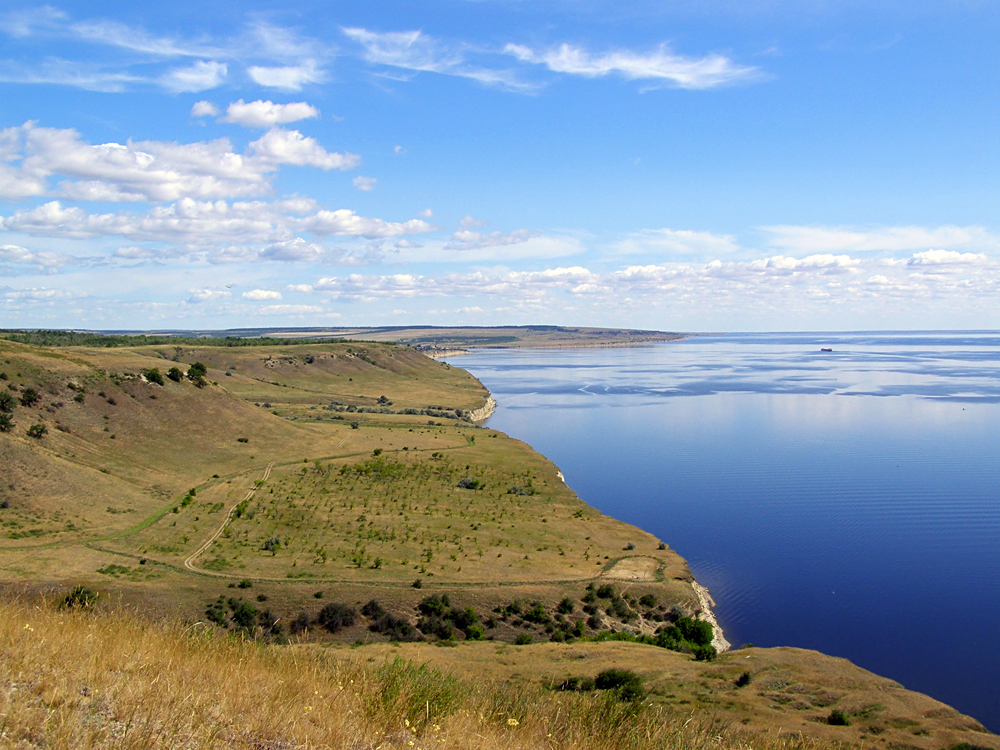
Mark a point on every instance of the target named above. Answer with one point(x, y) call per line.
point(678, 165)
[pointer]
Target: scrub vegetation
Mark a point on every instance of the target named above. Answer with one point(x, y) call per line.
point(301, 515)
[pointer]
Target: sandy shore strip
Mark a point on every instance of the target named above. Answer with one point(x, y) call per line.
point(707, 602)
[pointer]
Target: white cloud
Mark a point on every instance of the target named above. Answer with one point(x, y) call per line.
point(889, 239)
point(204, 109)
point(265, 114)
point(82, 75)
point(418, 52)
point(223, 227)
point(296, 250)
point(287, 77)
point(678, 242)
point(153, 170)
point(365, 183)
point(661, 64)
point(261, 294)
point(426, 214)
point(15, 255)
point(398, 150)
point(468, 222)
point(280, 146)
point(946, 258)
point(466, 239)
point(206, 295)
point(346, 222)
point(199, 76)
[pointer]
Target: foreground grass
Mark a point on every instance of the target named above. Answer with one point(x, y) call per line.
point(72, 678)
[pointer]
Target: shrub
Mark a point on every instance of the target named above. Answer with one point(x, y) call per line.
point(244, 613)
point(630, 546)
point(6, 423)
point(372, 609)
point(175, 374)
point(197, 370)
point(272, 544)
point(300, 624)
point(537, 614)
point(80, 596)
point(355, 425)
point(743, 680)
point(335, 616)
point(838, 718)
point(435, 625)
point(153, 375)
point(704, 653)
point(697, 631)
point(625, 682)
point(434, 604)
point(463, 618)
point(216, 612)
point(565, 606)
point(246, 583)
point(29, 397)
point(523, 639)
point(605, 591)
point(396, 628)
point(648, 600)
point(417, 584)
point(582, 684)
point(473, 633)
point(6, 402)
point(467, 483)
point(37, 431)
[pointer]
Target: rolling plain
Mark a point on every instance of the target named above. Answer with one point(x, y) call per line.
point(336, 505)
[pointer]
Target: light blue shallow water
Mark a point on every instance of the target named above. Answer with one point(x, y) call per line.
point(847, 501)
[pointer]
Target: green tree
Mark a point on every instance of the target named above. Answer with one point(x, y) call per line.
point(6, 402)
point(30, 397)
point(6, 423)
point(175, 374)
point(153, 375)
point(37, 431)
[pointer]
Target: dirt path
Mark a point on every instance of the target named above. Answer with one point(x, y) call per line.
point(189, 562)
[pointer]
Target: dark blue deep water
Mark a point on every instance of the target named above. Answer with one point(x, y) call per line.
point(847, 501)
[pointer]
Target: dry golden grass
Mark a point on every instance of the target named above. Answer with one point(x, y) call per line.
point(71, 678)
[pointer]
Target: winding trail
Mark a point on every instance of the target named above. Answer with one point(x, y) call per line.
point(189, 562)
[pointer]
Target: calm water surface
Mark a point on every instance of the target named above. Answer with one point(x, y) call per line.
point(847, 501)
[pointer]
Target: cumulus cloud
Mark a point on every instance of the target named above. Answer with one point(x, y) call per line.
point(365, 184)
point(206, 295)
point(15, 255)
point(211, 224)
point(346, 222)
point(265, 114)
point(261, 294)
point(204, 109)
point(294, 250)
point(200, 76)
point(661, 64)
point(154, 171)
point(946, 258)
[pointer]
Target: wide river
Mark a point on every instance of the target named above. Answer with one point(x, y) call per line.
point(844, 501)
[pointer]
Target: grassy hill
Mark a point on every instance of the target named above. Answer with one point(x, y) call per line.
point(308, 496)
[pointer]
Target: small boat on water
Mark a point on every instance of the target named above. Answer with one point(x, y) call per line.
point(826, 350)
